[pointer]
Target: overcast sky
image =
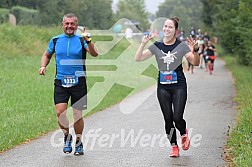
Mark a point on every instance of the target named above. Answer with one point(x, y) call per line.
point(151, 5)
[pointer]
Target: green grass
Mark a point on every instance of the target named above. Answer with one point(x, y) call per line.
point(26, 99)
point(239, 145)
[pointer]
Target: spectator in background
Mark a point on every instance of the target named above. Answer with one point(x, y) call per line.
point(200, 42)
point(206, 37)
point(182, 35)
point(128, 33)
point(199, 34)
point(192, 32)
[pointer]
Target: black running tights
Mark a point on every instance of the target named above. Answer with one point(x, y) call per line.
point(172, 103)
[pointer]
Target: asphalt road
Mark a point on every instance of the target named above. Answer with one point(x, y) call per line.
point(137, 139)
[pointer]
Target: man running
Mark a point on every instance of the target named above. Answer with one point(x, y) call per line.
point(70, 79)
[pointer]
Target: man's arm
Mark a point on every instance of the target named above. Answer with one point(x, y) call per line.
point(44, 62)
point(92, 49)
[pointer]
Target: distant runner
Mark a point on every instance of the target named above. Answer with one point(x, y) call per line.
point(210, 56)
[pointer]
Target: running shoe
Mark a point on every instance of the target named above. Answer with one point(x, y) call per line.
point(79, 148)
point(174, 152)
point(185, 141)
point(67, 144)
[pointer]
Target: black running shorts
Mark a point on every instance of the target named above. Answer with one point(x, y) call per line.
point(77, 93)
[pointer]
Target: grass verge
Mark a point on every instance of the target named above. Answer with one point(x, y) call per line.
point(239, 144)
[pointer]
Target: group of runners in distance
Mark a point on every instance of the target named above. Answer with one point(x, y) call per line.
point(206, 49)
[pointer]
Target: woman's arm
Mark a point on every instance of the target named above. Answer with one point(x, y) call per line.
point(193, 56)
point(142, 54)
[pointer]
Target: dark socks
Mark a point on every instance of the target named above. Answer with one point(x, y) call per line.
point(68, 137)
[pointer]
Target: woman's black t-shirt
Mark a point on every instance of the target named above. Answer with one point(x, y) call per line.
point(210, 52)
point(175, 52)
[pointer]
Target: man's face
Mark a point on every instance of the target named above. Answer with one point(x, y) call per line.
point(69, 25)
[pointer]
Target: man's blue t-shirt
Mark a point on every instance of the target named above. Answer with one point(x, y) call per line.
point(69, 55)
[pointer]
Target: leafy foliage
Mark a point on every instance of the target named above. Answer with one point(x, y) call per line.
point(188, 11)
point(25, 15)
point(96, 15)
point(4, 15)
point(133, 10)
point(232, 22)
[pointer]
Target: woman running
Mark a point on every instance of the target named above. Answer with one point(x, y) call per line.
point(210, 56)
point(172, 86)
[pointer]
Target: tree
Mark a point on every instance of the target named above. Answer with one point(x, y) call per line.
point(97, 14)
point(31, 4)
point(243, 31)
point(222, 21)
point(232, 22)
point(209, 11)
point(189, 12)
point(51, 12)
point(8, 3)
point(133, 10)
point(184, 18)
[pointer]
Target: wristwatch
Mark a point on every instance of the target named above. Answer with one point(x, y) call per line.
point(87, 37)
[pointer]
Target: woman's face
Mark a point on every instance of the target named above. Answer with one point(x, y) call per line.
point(169, 29)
